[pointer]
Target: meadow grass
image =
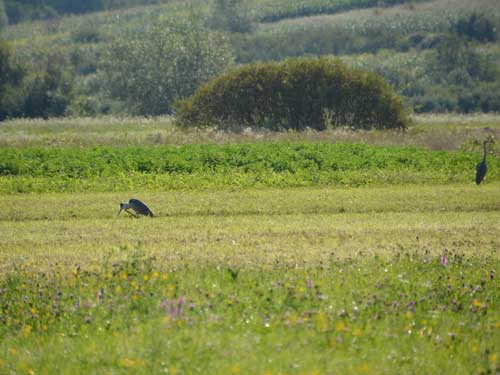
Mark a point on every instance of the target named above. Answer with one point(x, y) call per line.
point(251, 226)
point(280, 281)
point(397, 276)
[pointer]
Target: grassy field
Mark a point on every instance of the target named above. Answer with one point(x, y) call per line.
point(295, 281)
point(395, 276)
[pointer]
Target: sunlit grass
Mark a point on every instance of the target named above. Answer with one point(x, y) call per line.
point(436, 132)
point(253, 227)
point(233, 279)
point(295, 281)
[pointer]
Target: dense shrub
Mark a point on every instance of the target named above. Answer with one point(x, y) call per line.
point(479, 26)
point(295, 94)
point(48, 88)
point(11, 76)
point(43, 89)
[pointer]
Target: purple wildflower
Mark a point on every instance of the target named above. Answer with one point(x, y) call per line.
point(173, 309)
point(443, 260)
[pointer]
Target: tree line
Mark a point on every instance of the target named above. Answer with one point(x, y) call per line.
point(15, 11)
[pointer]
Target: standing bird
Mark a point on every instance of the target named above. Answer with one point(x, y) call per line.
point(137, 206)
point(481, 168)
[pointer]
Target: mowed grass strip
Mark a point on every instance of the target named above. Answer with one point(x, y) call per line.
point(242, 165)
point(255, 227)
point(227, 202)
point(274, 281)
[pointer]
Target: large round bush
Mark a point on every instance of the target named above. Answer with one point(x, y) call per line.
point(295, 94)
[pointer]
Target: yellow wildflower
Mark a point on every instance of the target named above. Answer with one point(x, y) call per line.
point(340, 327)
point(357, 332)
point(129, 363)
point(364, 369)
point(476, 303)
point(493, 358)
point(235, 370)
point(26, 330)
point(322, 322)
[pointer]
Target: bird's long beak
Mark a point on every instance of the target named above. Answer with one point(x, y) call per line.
point(121, 209)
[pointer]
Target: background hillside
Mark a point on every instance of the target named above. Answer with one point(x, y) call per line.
point(65, 58)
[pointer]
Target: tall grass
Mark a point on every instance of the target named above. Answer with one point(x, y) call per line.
point(436, 132)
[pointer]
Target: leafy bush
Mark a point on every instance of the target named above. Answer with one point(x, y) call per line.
point(481, 27)
point(47, 88)
point(149, 70)
point(295, 94)
point(11, 76)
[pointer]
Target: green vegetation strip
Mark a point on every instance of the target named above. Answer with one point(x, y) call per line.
point(216, 166)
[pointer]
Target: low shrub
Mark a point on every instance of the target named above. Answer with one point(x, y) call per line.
point(295, 94)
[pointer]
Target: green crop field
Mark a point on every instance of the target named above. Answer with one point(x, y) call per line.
point(271, 253)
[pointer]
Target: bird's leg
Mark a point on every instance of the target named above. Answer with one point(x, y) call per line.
point(133, 214)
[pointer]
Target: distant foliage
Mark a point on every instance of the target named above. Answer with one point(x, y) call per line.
point(478, 26)
point(26, 10)
point(275, 10)
point(86, 33)
point(230, 15)
point(11, 77)
point(3, 16)
point(455, 55)
point(148, 71)
point(44, 90)
point(48, 88)
point(316, 41)
point(295, 94)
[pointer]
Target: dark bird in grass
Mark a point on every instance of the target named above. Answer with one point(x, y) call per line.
point(137, 206)
point(481, 168)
